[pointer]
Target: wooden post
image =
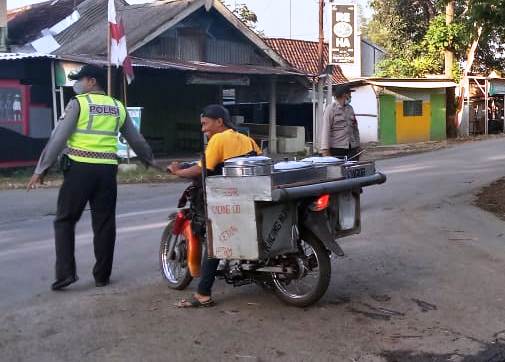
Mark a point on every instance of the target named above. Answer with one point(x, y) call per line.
point(486, 106)
point(53, 93)
point(314, 116)
point(321, 36)
point(125, 102)
point(320, 110)
point(320, 81)
point(109, 70)
point(329, 86)
point(272, 135)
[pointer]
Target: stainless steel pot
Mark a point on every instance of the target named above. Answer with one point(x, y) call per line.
point(332, 165)
point(324, 160)
point(248, 166)
point(296, 172)
point(291, 165)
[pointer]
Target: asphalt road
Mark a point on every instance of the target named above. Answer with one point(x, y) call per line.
point(424, 281)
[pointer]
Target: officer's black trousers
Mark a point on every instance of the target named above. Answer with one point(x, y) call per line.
point(83, 183)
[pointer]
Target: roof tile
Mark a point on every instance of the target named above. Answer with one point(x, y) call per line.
point(303, 56)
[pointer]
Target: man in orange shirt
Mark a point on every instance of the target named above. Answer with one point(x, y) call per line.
point(224, 143)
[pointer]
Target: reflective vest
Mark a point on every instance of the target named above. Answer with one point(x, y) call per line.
point(95, 139)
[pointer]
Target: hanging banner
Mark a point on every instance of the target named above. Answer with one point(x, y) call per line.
point(123, 151)
point(343, 34)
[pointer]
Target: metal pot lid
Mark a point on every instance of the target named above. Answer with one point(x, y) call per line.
point(291, 165)
point(248, 161)
point(350, 163)
point(324, 160)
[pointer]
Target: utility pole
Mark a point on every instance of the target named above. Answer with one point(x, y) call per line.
point(320, 80)
point(3, 26)
point(449, 55)
point(290, 19)
point(321, 36)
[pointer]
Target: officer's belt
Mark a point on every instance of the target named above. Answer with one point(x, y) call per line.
point(91, 154)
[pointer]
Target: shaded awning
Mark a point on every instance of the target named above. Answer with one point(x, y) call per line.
point(190, 66)
point(413, 83)
point(19, 56)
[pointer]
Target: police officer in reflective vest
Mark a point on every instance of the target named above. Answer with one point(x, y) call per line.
point(88, 137)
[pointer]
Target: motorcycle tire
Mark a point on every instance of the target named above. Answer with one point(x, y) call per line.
point(167, 266)
point(324, 264)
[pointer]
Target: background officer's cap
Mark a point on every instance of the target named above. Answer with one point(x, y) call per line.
point(341, 89)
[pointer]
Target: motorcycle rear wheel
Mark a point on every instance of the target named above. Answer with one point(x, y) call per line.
point(312, 262)
point(175, 271)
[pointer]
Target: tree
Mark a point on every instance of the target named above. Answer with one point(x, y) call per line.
point(415, 35)
point(246, 15)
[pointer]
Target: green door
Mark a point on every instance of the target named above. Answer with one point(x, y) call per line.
point(387, 119)
point(438, 117)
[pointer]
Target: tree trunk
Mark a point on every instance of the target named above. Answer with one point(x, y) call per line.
point(470, 58)
point(449, 55)
point(321, 37)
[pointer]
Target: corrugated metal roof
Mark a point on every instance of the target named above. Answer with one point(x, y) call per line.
point(25, 24)
point(190, 66)
point(89, 34)
point(303, 55)
point(18, 56)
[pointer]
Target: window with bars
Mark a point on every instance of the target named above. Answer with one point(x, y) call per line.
point(412, 108)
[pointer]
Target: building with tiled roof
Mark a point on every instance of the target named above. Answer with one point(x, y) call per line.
point(303, 55)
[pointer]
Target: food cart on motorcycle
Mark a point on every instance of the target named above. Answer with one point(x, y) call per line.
point(277, 224)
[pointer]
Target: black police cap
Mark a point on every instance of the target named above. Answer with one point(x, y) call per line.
point(341, 89)
point(91, 71)
point(216, 111)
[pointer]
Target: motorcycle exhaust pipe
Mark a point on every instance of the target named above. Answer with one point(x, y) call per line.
point(194, 250)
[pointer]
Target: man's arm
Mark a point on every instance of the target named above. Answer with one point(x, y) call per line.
point(137, 142)
point(213, 156)
point(191, 172)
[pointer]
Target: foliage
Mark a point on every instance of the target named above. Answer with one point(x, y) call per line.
point(246, 15)
point(415, 35)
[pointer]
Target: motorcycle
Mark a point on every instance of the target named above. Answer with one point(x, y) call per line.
point(298, 276)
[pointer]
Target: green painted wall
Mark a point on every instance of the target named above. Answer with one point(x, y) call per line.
point(171, 114)
point(438, 117)
point(387, 116)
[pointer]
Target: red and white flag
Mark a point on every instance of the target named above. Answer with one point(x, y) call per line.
point(118, 51)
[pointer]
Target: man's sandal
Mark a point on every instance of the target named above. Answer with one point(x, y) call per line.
point(195, 303)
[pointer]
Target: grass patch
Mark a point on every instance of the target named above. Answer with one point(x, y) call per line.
point(15, 179)
point(141, 175)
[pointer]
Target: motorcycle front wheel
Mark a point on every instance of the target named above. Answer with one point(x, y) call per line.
point(311, 276)
point(174, 269)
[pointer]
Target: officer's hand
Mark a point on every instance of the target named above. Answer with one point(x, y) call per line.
point(325, 152)
point(173, 167)
point(34, 180)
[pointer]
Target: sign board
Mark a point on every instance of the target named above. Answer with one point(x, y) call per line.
point(123, 151)
point(232, 215)
point(62, 69)
point(343, 34)
point(497, 87)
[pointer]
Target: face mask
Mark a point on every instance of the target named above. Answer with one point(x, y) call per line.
point(78, 87)
point(348, 101)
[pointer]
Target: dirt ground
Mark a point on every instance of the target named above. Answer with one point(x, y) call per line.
point(492, 198)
